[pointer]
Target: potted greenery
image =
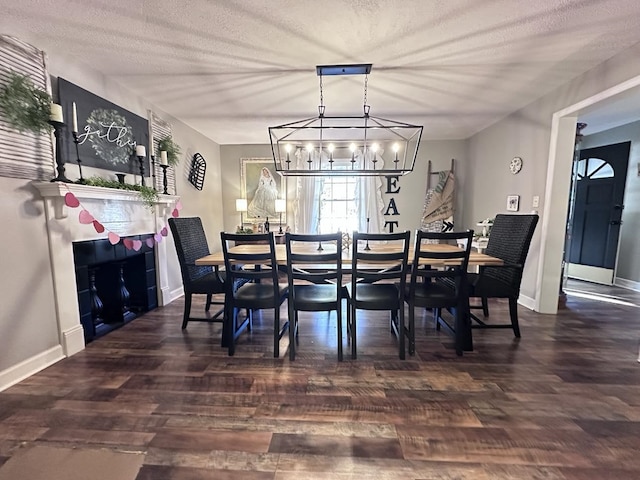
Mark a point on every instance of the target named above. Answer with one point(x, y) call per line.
point(25, 106)
point(173, 150)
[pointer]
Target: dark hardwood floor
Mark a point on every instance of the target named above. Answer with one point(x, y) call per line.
point(562, 403)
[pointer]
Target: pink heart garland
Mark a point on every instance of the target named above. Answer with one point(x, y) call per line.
point(137, 245)
point(150, 241)
point(114, 238)
point(175, 213)
point(164, 232)
point(128, 243)
point(70, 200)
point(98, 226)
point(85, 217)
point(157, 237)
point(179, 205)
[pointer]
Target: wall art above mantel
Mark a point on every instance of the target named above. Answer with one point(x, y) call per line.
point(107, 133)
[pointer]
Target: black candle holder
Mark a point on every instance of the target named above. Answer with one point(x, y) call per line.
point(76, 141)
point(164, 178)
point(366, 247)
point(58, 131)
point(153, 171)
point(141, 163)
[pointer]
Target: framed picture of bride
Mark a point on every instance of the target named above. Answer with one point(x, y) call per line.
point(261, 185)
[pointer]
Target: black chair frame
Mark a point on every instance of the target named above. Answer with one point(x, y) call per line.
point(255, 287)
point(191, 243)
point(315, 280)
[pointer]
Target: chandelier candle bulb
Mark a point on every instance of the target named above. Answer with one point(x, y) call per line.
point(56, 113)
point(163, 158)
point(141, 151)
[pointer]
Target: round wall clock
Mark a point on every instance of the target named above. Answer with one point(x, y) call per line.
point(516, 165)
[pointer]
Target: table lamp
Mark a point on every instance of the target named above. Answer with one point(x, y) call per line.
point(281, 206)
point(241, 206)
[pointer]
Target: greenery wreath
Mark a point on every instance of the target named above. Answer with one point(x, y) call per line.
point(25, 106)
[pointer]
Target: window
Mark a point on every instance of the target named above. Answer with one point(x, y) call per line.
point(594, 168)
point(338, 205)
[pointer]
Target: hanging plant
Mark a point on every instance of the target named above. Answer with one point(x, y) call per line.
point(147, 194)
point(25, 106)
point(173, 150)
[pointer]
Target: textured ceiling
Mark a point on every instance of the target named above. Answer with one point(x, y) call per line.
point(231, 68)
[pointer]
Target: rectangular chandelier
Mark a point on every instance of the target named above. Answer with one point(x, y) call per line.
point(344, 145)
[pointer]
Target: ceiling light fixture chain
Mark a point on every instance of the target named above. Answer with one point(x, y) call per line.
point(365, 107)
point(321, 106)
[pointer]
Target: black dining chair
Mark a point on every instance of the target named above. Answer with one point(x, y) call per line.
point(509, 240)
point(438, 281)
point(378, 278)
point(253, 266)
point(191, 243)
point(315, 280)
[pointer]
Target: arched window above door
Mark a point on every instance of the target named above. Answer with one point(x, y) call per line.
point(594, 168)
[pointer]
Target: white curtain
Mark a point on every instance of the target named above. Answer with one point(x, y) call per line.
point(307, 199)
point(369, 194)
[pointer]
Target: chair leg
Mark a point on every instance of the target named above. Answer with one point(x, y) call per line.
point(187, 310)
point(208, 304)
point(276, 332)
point(513, 313)
point(353, 332)
point(233, 320)
point(485, 306)
point(401, 333)
point(293, 322)
point(436, 317)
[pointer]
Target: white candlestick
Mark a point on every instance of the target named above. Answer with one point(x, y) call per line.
point(163, 158)
point(141, 151)
point(56, 113)
point(74, 118)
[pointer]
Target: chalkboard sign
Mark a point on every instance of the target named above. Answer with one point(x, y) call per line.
point(107, 133)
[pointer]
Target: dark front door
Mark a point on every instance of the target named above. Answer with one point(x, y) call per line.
point(601, 173)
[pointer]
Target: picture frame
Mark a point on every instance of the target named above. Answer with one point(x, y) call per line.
point(513, 203)
point(260, 184)
point(107, 133)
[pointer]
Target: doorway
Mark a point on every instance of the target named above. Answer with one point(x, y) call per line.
point(599, 178)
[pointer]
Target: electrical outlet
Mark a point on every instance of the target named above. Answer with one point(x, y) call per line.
point(536, 201)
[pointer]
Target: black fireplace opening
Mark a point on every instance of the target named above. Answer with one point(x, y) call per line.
point(114, 284)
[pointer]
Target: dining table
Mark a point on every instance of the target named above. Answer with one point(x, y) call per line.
point(462, 328)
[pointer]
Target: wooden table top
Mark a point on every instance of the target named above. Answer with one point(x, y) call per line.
point(217, 259)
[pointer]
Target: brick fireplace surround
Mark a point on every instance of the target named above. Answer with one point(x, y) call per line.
point(120, 211)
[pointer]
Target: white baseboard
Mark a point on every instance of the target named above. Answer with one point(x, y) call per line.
point(624, 283)
point(73, 340)
point(169, 296)
point(30, 366)
point(527, 302)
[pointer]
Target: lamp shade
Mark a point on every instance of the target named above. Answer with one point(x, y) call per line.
point(241, 204)
point(281, 205)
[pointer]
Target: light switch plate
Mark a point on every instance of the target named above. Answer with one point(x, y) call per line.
point(536, 201)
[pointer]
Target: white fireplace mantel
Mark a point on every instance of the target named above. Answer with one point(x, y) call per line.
point(120, 211)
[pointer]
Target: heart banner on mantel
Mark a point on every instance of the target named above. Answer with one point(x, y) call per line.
point(85, 218)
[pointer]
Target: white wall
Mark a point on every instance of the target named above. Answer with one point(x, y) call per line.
point(527, 134)
point(28, 332)
point(628, 267)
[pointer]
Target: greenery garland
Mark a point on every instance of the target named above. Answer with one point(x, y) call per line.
point(173, 150)
point(25, 106)
point(147, 194)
